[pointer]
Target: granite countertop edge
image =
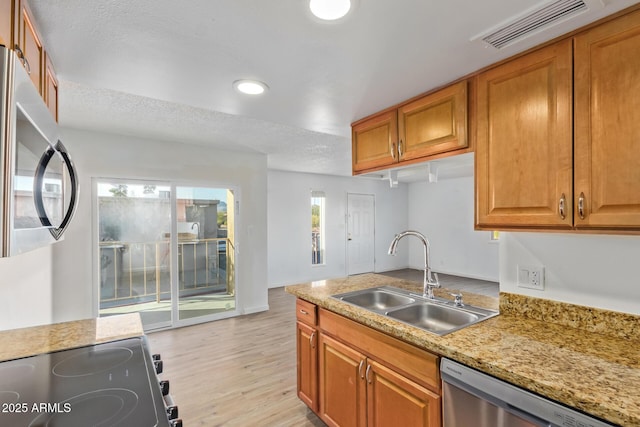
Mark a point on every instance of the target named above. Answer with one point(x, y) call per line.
point(31, 341)
point(592, 372)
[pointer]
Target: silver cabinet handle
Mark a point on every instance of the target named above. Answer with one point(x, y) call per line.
point(313, 334)
point(392, 150)
point(581, 206)
point(360, 369)
point(367, 374)
point(561, 206)
point(22, 58)
point(304, 312)
point(399, 149)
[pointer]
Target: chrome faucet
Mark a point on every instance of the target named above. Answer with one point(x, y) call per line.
point(429, 281)
point(197, 227)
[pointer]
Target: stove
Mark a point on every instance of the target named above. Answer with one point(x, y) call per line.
point(110, 384)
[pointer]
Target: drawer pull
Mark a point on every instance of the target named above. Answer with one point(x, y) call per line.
point(306, 313)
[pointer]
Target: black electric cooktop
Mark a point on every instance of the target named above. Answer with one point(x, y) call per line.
point(111, 384)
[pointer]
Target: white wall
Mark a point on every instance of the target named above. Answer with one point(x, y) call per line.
point(115, 156)
point(289, 223)
point(26, 289)
point(443, 211)
point(592, 270)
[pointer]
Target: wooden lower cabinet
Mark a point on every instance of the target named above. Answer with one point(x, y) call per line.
point(307, 365)
point(365, 377)
point(343, 390)
point(394, 400)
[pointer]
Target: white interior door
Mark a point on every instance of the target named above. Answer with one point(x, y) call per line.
point(360, 233)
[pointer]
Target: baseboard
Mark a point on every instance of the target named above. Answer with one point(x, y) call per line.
point(256, 309)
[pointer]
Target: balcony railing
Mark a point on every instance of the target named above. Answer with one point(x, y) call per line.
point(132, 272)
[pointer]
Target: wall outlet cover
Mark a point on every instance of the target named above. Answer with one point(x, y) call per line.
point(531, 277)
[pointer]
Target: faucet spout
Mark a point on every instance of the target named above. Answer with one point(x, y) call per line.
point(430, 278)
point(197, 227)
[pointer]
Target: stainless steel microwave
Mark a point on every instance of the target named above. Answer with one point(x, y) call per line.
point(38, 179)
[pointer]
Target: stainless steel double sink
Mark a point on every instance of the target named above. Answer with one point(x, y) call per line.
point(439, 316)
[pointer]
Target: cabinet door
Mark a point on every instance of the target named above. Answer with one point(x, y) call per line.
point(607, 135)
point(394, 400)
point(524, 175)
point(6, 14)
point(50, 88)
point(433, 124)
point(343, 391)
point(28, 42)
point(374, 142)
point(307, 365)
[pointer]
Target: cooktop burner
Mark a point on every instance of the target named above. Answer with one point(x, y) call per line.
point(92, 362)
point(111, 384)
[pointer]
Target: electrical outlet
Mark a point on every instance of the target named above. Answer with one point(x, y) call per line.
point(531, 277)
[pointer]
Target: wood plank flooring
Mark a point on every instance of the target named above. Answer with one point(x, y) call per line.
point(236, 372)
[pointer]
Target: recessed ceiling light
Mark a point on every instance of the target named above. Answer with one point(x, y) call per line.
point(330, 10)
point(250, 87)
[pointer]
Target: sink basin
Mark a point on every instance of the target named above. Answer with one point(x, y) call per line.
point(434, 318)
point(376, 299)
point(438, 316)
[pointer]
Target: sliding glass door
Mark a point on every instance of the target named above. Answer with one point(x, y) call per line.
point(204, 285)
point(165, 251)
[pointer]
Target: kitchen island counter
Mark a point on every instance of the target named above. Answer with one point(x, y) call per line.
point(24, 342)
point(594, 372)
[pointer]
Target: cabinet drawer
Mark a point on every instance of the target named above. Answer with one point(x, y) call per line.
point(306, 312)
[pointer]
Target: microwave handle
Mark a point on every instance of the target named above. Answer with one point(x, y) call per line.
point(56, 232)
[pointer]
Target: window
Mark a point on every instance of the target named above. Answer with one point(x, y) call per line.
point(317, 228)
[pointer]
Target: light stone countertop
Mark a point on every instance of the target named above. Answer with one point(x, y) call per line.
point(596, 373)
point(25, 342)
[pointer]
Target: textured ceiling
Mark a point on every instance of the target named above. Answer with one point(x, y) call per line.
point(164, 69)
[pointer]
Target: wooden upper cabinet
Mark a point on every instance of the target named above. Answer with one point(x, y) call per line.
point(6, 14)
point(374, 142)
point(50, 94)
point(29, 44)
point(524, 141)
point(607, 120)
point(433, 124)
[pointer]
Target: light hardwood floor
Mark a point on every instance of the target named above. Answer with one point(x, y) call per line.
point(236, 372)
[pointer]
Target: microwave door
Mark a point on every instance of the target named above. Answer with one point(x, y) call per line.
point(26, 230)
point(54, 174)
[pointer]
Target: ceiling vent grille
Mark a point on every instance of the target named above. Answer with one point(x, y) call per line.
point(532, 22)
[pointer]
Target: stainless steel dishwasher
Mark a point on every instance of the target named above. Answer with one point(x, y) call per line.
point(472, 398)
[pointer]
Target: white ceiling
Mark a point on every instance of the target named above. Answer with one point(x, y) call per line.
point(164, 69)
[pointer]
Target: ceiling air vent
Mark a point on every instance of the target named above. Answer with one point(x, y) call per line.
point(534, 21)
